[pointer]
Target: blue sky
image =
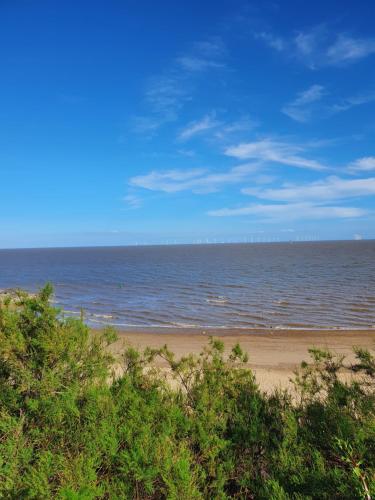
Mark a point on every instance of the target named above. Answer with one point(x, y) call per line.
point(127, 122)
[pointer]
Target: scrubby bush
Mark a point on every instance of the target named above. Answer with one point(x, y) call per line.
point(70, 428)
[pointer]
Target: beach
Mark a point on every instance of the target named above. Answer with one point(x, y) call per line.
point(273, 354)
point(276, 299)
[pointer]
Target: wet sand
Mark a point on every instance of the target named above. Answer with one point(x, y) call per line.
point(273, 354)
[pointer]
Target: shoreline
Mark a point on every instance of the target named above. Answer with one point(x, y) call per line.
point(222, 331)
point(274, 355)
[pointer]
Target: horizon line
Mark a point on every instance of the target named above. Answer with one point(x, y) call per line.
point(203, 243)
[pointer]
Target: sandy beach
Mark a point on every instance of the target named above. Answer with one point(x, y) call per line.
point(273, 354)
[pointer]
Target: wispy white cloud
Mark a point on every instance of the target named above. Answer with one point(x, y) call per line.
point(318, 47)
point(146, 124)
point(300, 109)
point(316, 200)
point(133, 201)
point(186, 152)
point(204, 55)
point(191, 63)
point(308, 104)
point(166, 94)
point(169, 181)
point(328, 189)
point(221, 130)
point(228, 130)
point(273, 41)
point(208, 122)
point(195, 180)
point(290, 211)
point(306, 42)
point(211, 47)
point(362, 165)
point(164, 97)
point(347, 49)
point(269, 150)
point(312, 94)
point(350, 102)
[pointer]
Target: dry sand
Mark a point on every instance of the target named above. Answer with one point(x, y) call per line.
point(273, 354)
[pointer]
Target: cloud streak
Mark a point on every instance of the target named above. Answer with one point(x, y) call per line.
point(362, 165)
point(132, 201)
point(221, 130)
point(290, 211)
point(166, 94)
point(308, 104)
point(204, 55)
point(347, 49)
point(306, 201)
point(351, 102)
point(190, 63)
point(196, 180)
point(208, 122)
point(301, 108)
point(317, 47)
point(331, 188)
point(268, 150)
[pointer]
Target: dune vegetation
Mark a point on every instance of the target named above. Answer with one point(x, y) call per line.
point(72, 428)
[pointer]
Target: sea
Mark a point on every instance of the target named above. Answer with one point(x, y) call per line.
point(302, 285)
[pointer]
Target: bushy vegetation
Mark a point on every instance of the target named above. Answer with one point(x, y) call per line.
point(71, 429)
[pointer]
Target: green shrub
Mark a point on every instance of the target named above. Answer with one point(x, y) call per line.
point(71, 429)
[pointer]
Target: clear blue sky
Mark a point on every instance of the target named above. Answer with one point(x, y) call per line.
point(142, 121)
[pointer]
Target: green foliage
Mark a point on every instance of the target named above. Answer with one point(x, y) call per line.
point(70, 428)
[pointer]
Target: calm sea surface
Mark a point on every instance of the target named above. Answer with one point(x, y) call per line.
point(307, 285)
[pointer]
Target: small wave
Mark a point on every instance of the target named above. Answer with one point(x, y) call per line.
point(184, 325)
point(220, 299)
point(359, 309)
point(102, 322)
point(307, 326)
point(283, 303)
